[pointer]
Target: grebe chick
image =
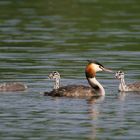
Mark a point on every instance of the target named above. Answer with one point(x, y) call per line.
point(56, 76)
point(126, 87)
point(95, 89)
point(12, 86)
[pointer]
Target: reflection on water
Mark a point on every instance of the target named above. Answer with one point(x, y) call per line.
point(38, 37)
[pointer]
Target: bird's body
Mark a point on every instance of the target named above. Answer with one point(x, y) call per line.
point(72, 91)
point(126, 87)
point(12, 86)
point(134, 86)
point(95, 88)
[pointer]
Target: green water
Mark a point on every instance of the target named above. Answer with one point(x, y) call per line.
point(37, 37)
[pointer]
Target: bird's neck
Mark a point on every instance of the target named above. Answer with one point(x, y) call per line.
point(57, 83)
point(122, 86)
point(98, 88)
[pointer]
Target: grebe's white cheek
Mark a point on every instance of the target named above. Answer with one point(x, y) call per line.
point(97, 68)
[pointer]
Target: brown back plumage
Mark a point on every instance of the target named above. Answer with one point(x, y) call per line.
point(73, 91)
point(134, 86)
point(12, 86)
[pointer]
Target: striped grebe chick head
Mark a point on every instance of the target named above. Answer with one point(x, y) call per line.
point(54, 75)
point(119, 75)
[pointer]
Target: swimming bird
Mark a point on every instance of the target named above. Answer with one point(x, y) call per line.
point(126, 87)
point(95, 88)
point(12, 86)
point(56, 76)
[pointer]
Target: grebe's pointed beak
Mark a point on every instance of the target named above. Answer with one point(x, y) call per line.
point(107, 70)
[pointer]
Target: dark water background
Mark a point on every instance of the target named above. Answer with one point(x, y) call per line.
point(37, 37)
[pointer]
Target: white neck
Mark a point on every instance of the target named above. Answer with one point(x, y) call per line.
point(122, 86)
point(57, 83)
point(98, 88)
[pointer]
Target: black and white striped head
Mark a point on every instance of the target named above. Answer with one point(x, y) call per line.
point(54, 75)
point(119, 75)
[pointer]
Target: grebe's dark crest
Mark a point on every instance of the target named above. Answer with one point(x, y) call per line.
point(126, 87)
point(95, 89)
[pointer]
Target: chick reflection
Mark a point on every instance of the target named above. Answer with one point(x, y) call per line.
point(122, 96)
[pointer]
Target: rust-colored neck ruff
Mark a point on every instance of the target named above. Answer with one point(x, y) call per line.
point(90, 71)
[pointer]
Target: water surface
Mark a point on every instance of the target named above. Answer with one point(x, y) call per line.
point(37, 37)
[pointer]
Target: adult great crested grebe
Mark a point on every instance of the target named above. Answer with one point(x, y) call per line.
point(96, 88)
point(129, 87)
point(12, 86)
